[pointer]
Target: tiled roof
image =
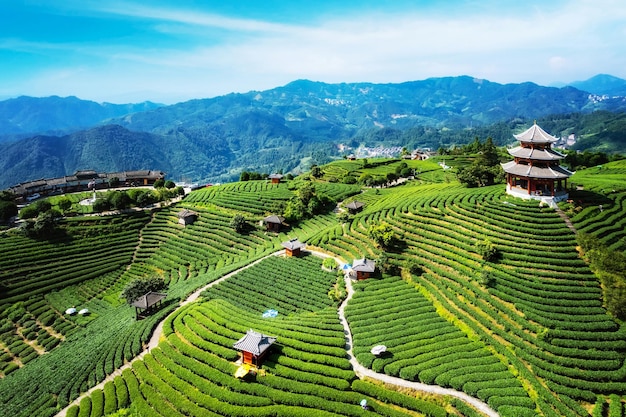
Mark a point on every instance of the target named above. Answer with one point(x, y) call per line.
point(354, 205)
point(274, 219)
point(293, 244)
point(254, 342)
point(187, 213)
point(555, 172)
point(148, 300)
point(536, 154)
point(363, 265)
point(535, 134)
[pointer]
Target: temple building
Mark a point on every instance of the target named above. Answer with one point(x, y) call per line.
point(535, 172)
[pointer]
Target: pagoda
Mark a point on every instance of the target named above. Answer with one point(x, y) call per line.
point(535, 172)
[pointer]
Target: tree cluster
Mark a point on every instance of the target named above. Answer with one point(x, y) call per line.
point(306, 202)
point(485, 169)
point(610, 267)
point(140, 197)
point(142, 286)
point(382, 233)
point(8, 207)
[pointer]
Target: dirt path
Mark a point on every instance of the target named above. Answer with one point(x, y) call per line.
point(566, 219)
point(156, 335)
point(359, 369)
point(362, 371)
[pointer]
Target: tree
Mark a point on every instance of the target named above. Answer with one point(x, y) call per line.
point(8, 209)
point(169, 184)
point(100, 205)
point(64, 204)
point(119, 200)
point(244, 176)
point(45, 223)
point(316, 171)
point(487, 250)
point(141, 286)
point(160, 183)
point(114, 182)
point(145, 198)
point(382, 233)
point(238, 223)
point(349, 179)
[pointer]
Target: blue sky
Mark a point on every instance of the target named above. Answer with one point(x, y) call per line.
point(170, 51)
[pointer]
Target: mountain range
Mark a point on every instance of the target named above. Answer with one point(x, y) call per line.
point(285, 128)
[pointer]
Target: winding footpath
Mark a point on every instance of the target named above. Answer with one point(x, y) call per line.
point(359, 370)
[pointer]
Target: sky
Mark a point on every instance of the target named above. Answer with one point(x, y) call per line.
point(169, 51)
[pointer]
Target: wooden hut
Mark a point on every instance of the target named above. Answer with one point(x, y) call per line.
point(273, 223)
point(186, 217)
point(354, 207)
point(293, 247)
point(147, 304)
point(275, 178)
point(363, 268)
point(253, 347)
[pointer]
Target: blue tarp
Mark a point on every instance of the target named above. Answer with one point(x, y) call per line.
point(270, 313)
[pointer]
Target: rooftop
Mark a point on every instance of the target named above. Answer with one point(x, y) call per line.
point(148, 300)
point(535, 134)
point(555, 172)
point(293, 244)
point(363, 265)
point(254, 342)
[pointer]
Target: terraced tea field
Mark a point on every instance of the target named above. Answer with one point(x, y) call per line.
point(526, 332)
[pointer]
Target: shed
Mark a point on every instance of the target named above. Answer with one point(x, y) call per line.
point(186, 217)
point(293, 247)
point(354, 207)
point(148, 303)
point(273, 223)
point(253, 347)
point(363, 268)
point(275, 178)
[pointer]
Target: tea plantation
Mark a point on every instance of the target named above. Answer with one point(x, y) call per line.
point(525, 330)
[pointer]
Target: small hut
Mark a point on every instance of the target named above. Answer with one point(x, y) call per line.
point(354, 207)
point(273, 223)
point(293, 247)
point(253, 347)
point(363, 268)
point(275, 178)
point(186, 217)
point(148, 303)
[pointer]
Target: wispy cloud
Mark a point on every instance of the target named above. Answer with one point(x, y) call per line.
point(202, 53)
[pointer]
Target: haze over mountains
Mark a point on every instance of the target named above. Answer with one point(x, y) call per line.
point(285, 128)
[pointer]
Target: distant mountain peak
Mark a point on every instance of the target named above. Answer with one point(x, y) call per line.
point(602, 84)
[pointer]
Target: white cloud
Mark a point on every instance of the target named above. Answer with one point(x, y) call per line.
point(219, 54)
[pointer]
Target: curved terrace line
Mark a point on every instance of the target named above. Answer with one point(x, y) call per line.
point(359, 369)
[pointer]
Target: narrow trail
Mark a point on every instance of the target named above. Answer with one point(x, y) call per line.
point(567, 220)
point(156, 335)
point(359, 369)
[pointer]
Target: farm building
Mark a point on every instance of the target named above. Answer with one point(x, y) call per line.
point(535, 172)
point(253, 347)
point(186, 217)
point(355, 207)
point(275, 178)
point(148, 303)
point(293, 247)
point(273, 223)
point(363, 268)
point(85, 180)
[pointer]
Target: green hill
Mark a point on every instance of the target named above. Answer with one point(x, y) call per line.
point(526, 332)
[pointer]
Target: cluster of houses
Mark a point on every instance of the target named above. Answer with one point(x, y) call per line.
point(83, 181)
